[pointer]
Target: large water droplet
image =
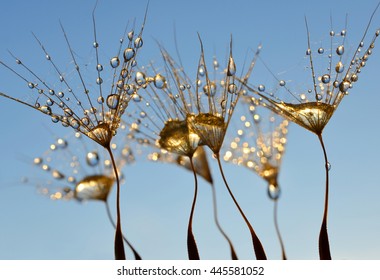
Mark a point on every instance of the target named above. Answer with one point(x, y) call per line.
point(92, 158)
point(138, 42)
point(113, 101)
point(325, 79)
point(231, 69)
point(159, 81)
point(339, 68)
point(115, 62)
point(128, 54)
point(340, 50)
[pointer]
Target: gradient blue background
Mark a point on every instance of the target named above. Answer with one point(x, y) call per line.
point(157, 197)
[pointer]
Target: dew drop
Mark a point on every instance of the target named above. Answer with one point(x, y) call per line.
point(328, 165)
point(332, 33)
point(92, 158)
point(100, 100)
point(49, 102)
point(136, 97)
point(308, 52)
point(99, 67)
point(128, 54)
point(130, 35)
point(159, 81)
point(261, 88)
point(274, 191)
point(340, 50)
point(115, 62)
point(51, 92)
point(74, 123)
point(37, 161)
point(45, 110)
point(138, 42)
point(232, 88)
point(140, 78)
point(210, 89)
point(85, 121)
point(31, 85)
point(57, 175)
point(113, 101)
point(54, 119)
point(318, 97)
point(99, 81)
point(344, 86)
point(61, 94)
point(231, 70)
point(61, 143)
point(48, 57)
point(321, 50)
point(68, 112)
point(343, 32)
point(282, 83)
point(124, 73)
point(354, 78)
point(95, 44)
point(339, 68)
point(326, 78)
point(303, 96)
point(182, 87)
point(201, 70)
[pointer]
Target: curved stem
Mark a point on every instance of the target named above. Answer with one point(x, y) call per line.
point(191, 244)
point(324, 246)
point(257, 246)
point(232, 249)
point(278, 229)
point(119, 245)
point(137, 256)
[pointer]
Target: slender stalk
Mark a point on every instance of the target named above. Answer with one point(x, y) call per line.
point(137, 256)
point(275, 211)
point(232, 249)
point(324, 246)
point(257, 246)
point(119, 245)
point(191, 244)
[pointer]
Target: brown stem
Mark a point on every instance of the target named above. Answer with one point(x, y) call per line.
point(257, 246)
point(324, 246)
point(278, 229)
point(232, 249)
point(119, 245)
point(191, 244)
point(137, 256)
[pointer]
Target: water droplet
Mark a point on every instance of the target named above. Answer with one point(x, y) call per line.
point(340, 50)
point(210, 89)
point(215, 63)
point(54, 119)
point(325, 78)
point(308, 52)
point(339, 68)
point(318, 97)
point(328, 165)
point(31, 85)
point(61, 143)
point(37, 161)
point(303, 96)
point(124, 73)
point(138, 42)
point(354, 78)
point(113, 101)
point(201, 70)
point(99, 81)
point(49, 102)
point(18, 61)
point(182, 87)
point(92, 158)
point(45, 110)
point(282, 83)
point(61, 78)
point(115, 62)
point(332, 33)
point(274, 191)
point(344, 86)
point(68, 112)
point(128, 54)
point(130, 35)
point(159, 81)
point(321, 50)
point(142, 114)
point(231, 70)
point(74, 123)
point(343, 32)
point(61, 94)
point(140, 78)
point(100, 100)
point(232, 88)
point(57, 175)
point(47, 57)
point(85, 121)
point(261, 88)
point(136, 97)
point(99, 67)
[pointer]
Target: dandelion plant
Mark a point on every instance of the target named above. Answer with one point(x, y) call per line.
point(313, 107)
point(75, 102)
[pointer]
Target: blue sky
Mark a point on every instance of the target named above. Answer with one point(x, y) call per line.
point(155, 206)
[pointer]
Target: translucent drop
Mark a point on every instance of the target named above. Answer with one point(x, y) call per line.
point(115, 62)
point(124, 73)
point(303, 96)
point(49, 102)
point(57, 175)
point(308, 52)
point(339, 68)
point(321, 50)
point(136, 97)
point(128, 54)
point(37, 161)
point(68, 112)
point(328, 165)
point(182, 87)
point(100, 100)
point(92, 158)
point(159, 81)
point(343, 32)
point(130, 35)
point(61, 94)
point(113, 101)
point(140, 78)
point(340, 50)
point(99, 67)
point(210, 89)
point(332, 33)
point(51, 92)
point(232, 88)
point(142, 114)
point(344, 86)
point(354, 78)
point(261, 88)
point(274, 191)
point(74, 123)
point(282, 83)
point(319, 97)
point(55, 119)
point(99, 81)
point(85, 121)
point(61, 143)
point(45, 110)
point(231, 70)
point(95, 44)
point(325, 78)
point(201, 70)
point(31, 85)
point(138, 42)
point(48, 57)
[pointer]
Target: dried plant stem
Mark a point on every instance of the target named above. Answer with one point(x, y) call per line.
point(324, 246)
point(257, 246)
point(232, 249)
point(275, 211)
point(137, 256)
point(119, 245)
point(192, 249)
